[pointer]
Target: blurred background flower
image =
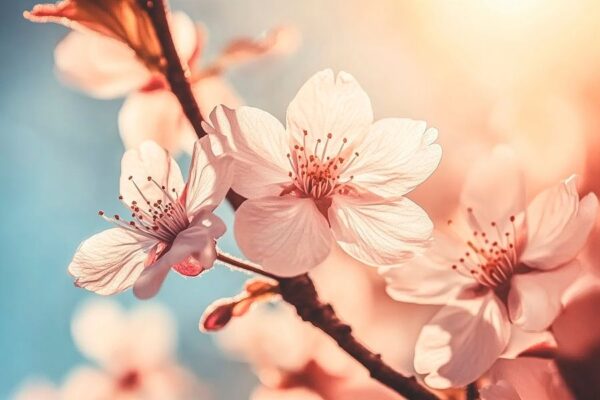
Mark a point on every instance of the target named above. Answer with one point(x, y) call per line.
point(522, 72)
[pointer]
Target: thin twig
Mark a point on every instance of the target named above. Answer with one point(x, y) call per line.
point(299, 291)
point(471, 391)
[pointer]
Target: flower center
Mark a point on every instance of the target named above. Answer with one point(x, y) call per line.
point(491, 256)
point(317, 173)
point(158, 219)
point(129, 380)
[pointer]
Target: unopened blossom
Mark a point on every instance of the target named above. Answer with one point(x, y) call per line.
point(499, 271)
point(522, 379)
point(134, 356)
point(170, 225)
point(332, 175)
point(100, 62)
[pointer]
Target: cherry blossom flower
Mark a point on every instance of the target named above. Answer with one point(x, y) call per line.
point(331, 176)
point(172, 225)
point(134, 355)
point(524, 378)
point(499, 273)
point(105, 65)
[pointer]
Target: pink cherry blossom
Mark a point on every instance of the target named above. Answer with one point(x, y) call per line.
point(134, 356)
point(37, 389)
point(522, 379)
point(499, 273)
point(331, 176)
point(172, 223)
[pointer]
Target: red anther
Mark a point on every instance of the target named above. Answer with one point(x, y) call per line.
point(329, 136)
point(512, 218)
point(305, 132)
point(100, 213)
point(149, 178)
point(120, 197)
point(469, 209)
point(493, 223)
point(117, 217)
point(130, 177)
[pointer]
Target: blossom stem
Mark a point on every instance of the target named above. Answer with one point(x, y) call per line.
point(471, 392)
point(177, 76)
point(298, 291)
point(301, 293)
point(174, 71)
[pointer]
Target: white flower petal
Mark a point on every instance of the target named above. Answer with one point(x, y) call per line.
point(521, 341)
point(185, 35)
point(154, 115)
point(149, 160)
point(419, 282)
point(98, 65)
point(260, 146)
point(396, 156)
point(494, 190)
point(111, 261)
point(383, 233)
point(328, 104)
point(559, 225)
point(462, 341)
point(197, 241)
point(286, 235)
point(534, 300)
point(209, 178)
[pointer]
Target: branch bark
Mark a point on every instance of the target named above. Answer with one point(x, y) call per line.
point(299, 291)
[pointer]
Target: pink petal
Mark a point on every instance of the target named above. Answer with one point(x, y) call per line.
point(328, 104)
point(260, 146)
point(155, 115)
point(559, 225)
point(494, 190)
point(534, 300)
point(462, 341)
point(99, 316)
point(197, 242)
point(501, 390)
point(149, 160)
point(111, 261)
point(150, 336)
point(185, 35)
point(286, 235)
point(209, 178)
point(396, 156)
point(98, 65)
point(88, 383)
point(521, 341)
point(281, 40)
point(212, 91)
point(423, 281)
point(529, 378)
point(383, 233)
point(299, 393)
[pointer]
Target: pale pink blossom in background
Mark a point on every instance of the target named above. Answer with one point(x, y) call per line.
point(134, 353)
point(172, 223)
point(523, 379)
point(333, 175)
point(500, 272)
point(36, 389)
point(107, 68)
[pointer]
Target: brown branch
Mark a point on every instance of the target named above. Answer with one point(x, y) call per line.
point(302, 294)
point(173, 70)
point(299, 291)
point(471, 391)
point(177, 76)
